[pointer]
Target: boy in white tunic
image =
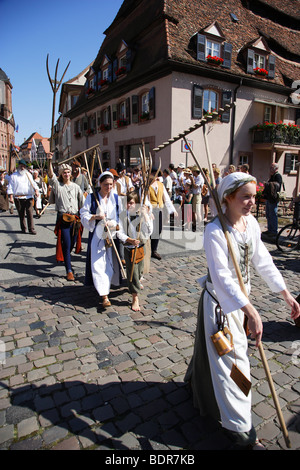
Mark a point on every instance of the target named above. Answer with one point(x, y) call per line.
point(214, 391)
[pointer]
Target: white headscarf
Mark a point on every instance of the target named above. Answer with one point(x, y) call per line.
point(232, 182)
point(64, 167)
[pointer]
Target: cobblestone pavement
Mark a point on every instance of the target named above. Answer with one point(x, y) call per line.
point(78, 377)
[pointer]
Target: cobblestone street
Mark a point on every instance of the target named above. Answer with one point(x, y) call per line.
point(78, 377)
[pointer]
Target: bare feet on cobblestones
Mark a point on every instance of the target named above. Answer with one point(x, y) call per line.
point(135, 306)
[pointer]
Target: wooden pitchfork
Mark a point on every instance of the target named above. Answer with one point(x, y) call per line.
point(55, 84)
point(214, 193)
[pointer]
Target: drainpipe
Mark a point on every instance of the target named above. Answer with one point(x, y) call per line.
point(233, 123)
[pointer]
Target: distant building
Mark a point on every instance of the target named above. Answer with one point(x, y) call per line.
point(165, 64)
point(35, 148)
point(7, 124)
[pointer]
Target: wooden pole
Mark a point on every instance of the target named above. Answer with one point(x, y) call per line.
point(108, 230)
point(242, 285)
point(78, 154)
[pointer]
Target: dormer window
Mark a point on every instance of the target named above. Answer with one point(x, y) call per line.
point(259, 59)
point(211, 45)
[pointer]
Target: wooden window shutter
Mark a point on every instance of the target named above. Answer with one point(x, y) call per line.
point(109, 116)
point(226, 99)
point(271, 64)
point(200, 47)
point(128, 110)
point(110, 72)
point(99, 78)
point(114, 115)
point(288, 163)
point(115, 68)
point(250, 61)
point(152, 103)
point(227, 55)
point(128, 60)
point(135, 108)
point(197, 102)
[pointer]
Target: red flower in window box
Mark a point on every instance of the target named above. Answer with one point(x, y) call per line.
point(104, 127)
point(103, 82)
point(260, 71)
point(77, 135)
point(121, 71)
point(121, 122)
point(214, 59)
point(90, 131)
point(90, 91)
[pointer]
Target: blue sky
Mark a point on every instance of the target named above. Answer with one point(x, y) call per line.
point(68, 30)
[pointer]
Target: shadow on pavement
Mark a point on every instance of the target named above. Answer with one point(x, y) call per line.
point(160, 415)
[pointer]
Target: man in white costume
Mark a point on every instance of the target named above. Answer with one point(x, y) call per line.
point(214, 391)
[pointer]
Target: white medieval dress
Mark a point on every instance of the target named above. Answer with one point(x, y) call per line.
point(214, 391)
point(102, 267)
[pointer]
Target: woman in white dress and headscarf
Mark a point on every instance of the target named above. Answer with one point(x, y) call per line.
point(214, 391)
point(102, 266)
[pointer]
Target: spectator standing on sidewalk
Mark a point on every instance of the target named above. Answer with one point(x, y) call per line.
point(271, 190)
point(21, 190)
point(3, 192)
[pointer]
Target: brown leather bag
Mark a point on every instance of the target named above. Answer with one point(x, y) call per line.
point(139, 255)
point(68, 218)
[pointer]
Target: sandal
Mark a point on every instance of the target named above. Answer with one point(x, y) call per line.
point(106, 303)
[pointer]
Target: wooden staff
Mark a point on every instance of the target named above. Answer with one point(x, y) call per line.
point(99, 160)
point(55, 84)
point(78, 154)
point(146, 177)
point(241, 282)
point(108, 230)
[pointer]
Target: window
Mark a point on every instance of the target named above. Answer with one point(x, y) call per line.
point(259, 61)
point(143, 106)
point(268, 114)
point(213, 48)
point(206, 100)
point(256, 61)
point(210, 101)
point(123, 61)
point(290, 163)
point(243, 159)
point(209, 47)
point(145, 103)
point(105, 74)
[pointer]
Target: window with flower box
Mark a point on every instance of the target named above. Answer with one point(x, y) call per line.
point(206, 100)
point(121, 113)
point(259, 60)
point(212, 47)
point(104, 119)
point(143, 106)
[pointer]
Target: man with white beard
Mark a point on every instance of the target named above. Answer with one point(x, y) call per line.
point(21, 190)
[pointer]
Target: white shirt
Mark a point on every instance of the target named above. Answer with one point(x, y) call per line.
point(22, 184)
point(221, 268)
point(199, 182)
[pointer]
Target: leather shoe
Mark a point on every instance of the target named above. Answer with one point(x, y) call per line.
point(70, 276)
point(106, 303)
point(156, 255)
